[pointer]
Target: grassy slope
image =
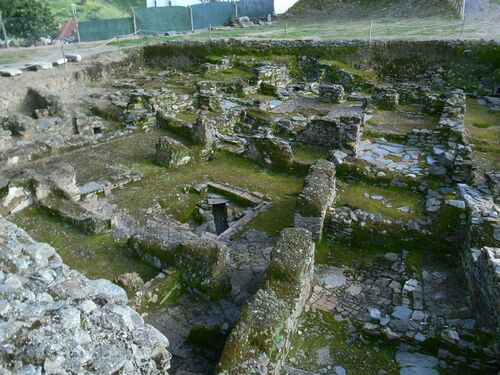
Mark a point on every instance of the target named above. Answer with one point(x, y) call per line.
point(359, 9)
point(90, 9)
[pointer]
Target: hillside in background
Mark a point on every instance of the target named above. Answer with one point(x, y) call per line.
point(92, 9)
point(359, 9)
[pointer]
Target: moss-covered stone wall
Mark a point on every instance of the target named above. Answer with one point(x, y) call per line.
point(461, 63)
point(260, 341)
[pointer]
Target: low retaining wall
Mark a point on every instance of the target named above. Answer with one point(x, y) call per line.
point(317, 195)
point(341, 133)
point(204, 264)
point(260, 341)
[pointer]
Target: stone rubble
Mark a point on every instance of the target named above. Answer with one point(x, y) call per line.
point(53, 319)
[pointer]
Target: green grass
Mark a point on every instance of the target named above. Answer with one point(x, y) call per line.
point(480, 116)
point(309, 154)
point(167, 290)
point(402, 121)
point(228, 75)
point(366, 74)
point(353, 195)
point(320, 330)
point(96, 256)
point(92, 9)
point(480, 130)
point(383, 28)
point(166, 186)
point(273, 220)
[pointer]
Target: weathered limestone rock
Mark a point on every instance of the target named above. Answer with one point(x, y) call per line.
point(493, 181)
point(271, 151)
point(481, 255)
point(209, 101)
point(55, 320)
point(317, 195)
point(261, 339)
point(170, 153)
point(331, 93)
point(74, 214)
point(130, 281)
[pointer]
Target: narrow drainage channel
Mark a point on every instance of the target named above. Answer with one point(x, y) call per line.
point(219, 212)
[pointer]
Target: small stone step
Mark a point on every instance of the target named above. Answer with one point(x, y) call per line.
point(39, 65)
point(73, 57)
point(10, 72)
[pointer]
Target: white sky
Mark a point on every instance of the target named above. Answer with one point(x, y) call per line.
point(280, 6)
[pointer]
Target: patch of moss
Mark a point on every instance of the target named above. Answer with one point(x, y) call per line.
point(320, 330)
point(96, 256)
point(309, 154)
point(353, 196)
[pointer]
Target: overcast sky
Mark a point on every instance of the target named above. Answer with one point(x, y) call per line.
point(280, 6)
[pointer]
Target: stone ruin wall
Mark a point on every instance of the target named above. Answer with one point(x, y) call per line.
point(260, 341)
point(53, 319)
point(480, 252)
point(342, 133)
point(316, 197)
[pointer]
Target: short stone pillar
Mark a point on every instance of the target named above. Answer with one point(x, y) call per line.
point(332, 93)
point(170, 153)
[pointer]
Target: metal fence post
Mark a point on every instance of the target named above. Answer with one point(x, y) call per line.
point(134, 21)
point(235, 10)
point(210, 32)
point(73, 8)
point(3, 31)
point(370, 33)
point(191, 17)
point(462, 29)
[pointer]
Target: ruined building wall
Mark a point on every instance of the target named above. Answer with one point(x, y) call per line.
point(260, 341)
point(481, 254)
point(53, 319)
point(317, 195)
point(341, 133)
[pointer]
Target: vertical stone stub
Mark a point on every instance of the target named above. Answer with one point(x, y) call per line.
point(317, 195)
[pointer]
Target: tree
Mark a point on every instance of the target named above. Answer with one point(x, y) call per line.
point(9, 7)
point(31, 20)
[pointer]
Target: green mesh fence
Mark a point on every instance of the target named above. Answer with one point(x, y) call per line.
point(162, 19)
point(174, 18)
point(213, 14)
point(255, 8)
point(104, 29)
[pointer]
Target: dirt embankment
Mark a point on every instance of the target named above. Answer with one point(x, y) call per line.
point(13, 90)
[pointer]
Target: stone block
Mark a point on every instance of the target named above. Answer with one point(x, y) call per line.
point(170, 153)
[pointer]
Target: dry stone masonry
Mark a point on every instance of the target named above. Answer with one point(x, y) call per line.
point(261, 339)
point(177, 171)
point(317, 195)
